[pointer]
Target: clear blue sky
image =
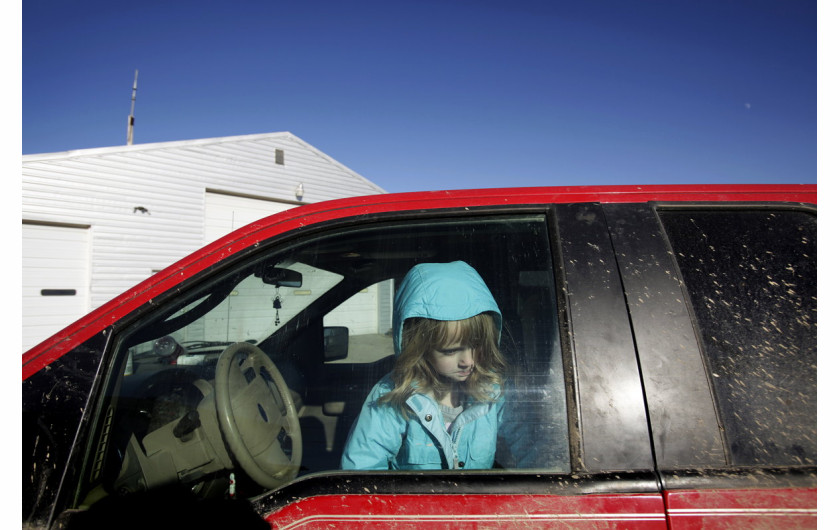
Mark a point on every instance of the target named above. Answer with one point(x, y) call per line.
point(437, 94)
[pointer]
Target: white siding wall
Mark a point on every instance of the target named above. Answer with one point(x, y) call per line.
point(103, 188)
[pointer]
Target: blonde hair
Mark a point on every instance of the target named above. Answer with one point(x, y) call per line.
point(413, 371)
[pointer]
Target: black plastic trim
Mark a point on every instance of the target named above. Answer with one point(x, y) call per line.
point(735, 205)
point(681, 412)
point(611, 407)
point(561, 289)
point(456, 483)
point(740, 478)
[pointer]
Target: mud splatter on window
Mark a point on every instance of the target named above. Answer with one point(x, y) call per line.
point(752, 279)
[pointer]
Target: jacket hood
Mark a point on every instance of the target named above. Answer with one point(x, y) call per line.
point(442, 291)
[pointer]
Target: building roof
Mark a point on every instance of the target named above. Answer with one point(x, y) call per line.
point(248, 160)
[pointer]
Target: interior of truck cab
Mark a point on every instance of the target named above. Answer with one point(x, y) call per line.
point(251, 377)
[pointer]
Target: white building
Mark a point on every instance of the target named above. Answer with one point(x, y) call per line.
point(98, 221)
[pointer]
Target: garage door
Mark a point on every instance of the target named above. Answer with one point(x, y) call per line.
point(56, 273)
point(225, 213)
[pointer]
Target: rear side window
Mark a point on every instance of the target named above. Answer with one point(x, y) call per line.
point(751, 276)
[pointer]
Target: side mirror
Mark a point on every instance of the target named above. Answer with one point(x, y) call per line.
point(336, 343)
point(281, 277)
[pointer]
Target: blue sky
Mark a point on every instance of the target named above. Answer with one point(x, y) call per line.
point(441, 94)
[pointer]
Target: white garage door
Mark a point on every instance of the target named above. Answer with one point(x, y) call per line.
point(225, 213)
point(56, 272)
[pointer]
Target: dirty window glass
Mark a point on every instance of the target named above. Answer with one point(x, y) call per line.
point(752, 280)
point(255, 377)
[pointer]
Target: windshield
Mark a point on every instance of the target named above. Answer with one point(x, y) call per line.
point(250, 312)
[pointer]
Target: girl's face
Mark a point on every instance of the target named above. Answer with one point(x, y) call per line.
point(453, 360)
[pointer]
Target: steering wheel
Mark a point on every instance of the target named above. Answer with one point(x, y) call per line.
point(257, 415)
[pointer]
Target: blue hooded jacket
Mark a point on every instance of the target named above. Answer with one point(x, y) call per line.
point(382, 438)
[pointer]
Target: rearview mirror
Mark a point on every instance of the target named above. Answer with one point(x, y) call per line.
point(280, 277)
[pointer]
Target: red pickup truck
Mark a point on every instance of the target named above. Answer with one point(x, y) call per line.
point(661, 345)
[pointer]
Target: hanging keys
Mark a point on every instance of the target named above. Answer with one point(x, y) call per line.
point(277, 305)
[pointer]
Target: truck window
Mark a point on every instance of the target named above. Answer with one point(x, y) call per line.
point(751, 276)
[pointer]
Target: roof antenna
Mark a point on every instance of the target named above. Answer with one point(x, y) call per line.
point(130, 136)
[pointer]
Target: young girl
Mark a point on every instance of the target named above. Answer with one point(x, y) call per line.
point(441, 406)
